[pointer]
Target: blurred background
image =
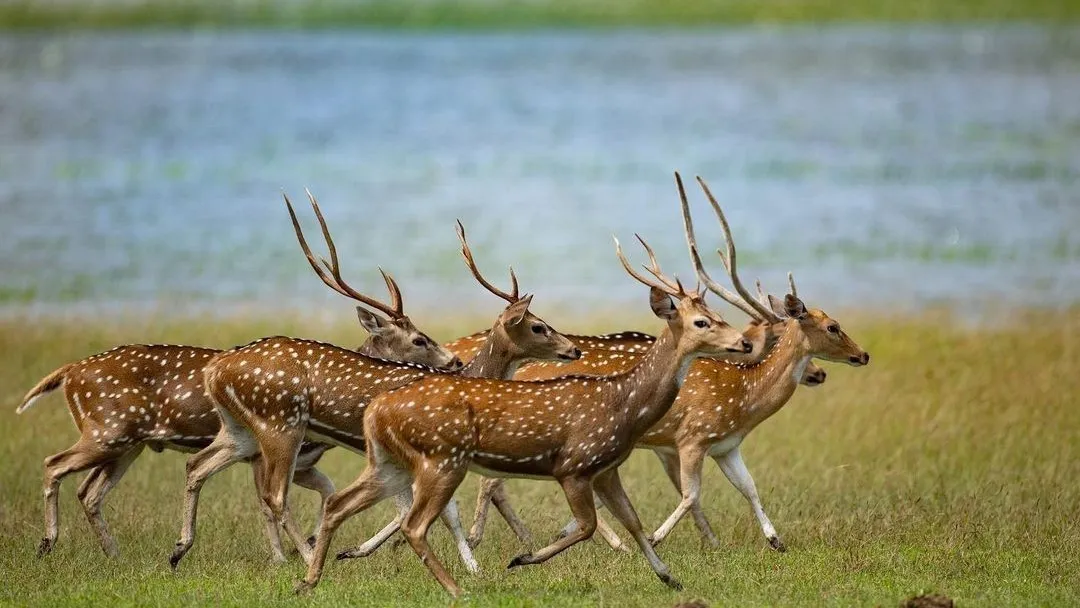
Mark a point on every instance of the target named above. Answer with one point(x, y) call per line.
point(899, 154)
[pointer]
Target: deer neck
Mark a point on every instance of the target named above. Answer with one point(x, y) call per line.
point(498, 357)
point(769, 383)
point(374, 347)
point(649, 389)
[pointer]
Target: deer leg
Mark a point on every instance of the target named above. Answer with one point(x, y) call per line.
point(502, 503)
point(311, 478)
point(451, 518)
point(671, 468)
point(404, 501)
point(86, 453)
point(579, 494)
point(735, 470)
point(377, 482)
point(488, 486)
point(602, 528)
point(608, 534)
point(273, 532)
point(279, 452)
point(232, 444)
point(609, 488)
point(690, 462)
point(92, 493)
point(433, 492)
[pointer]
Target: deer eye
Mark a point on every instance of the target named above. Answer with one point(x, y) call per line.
point(538, 329)
point(834, 329)
point(419, 342)
point(701, 323)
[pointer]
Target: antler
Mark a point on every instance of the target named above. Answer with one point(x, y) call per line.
point(333, 278)
point(729, 259)
point(471, 263)
point(691, 243)
point(672, 287)
point(791, 282)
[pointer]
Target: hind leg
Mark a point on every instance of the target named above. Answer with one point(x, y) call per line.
point(93, 490)
point(311, 478)
point(86, 453)
point(432, 493)
point(279, 452)
point(579, 494)
point(609, 488)
point(232, 444)
point(273, 532)
point(377, 482)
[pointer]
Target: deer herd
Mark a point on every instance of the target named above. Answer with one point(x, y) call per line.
point(519, 399)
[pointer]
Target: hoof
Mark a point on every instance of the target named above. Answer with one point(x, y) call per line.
point(670, 581)
point(776, 543)
point(174, 559)
point(311, 541)
point(653, 540)
point(521, 560)
point(303, 588)
point(473, 542)
point(351, 554)
point(44, 547)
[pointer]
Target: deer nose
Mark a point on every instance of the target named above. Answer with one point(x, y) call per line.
point(456, 364)
point(862, 359)
point(747, 345)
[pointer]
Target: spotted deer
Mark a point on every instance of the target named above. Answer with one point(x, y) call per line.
point(275, 392)
point(732, 400)
point(137, 396)
point(576, 430)
point(601, 362)
point(492, 490)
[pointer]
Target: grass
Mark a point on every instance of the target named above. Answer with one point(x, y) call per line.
point(489, 14)
point(948, 465)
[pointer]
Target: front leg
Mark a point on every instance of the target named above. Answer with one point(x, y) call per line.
point(609, 488)
point(735, 470)
point(690, 461)
point(670, 463)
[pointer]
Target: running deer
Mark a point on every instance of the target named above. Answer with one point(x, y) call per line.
point(599, 362)
point(731, 400)
point(575, 430)
point(275, 392)
point(137, 396)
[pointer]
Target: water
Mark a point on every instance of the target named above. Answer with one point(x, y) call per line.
point(900, 166)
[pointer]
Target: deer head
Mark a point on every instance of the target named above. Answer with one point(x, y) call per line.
point(824, 337)
point(392, 336)
point(527, 335)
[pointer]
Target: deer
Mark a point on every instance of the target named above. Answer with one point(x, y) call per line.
point(575, 430)
point(277, 392)
point(136, 396)
point(599, 361)
point(733, 399)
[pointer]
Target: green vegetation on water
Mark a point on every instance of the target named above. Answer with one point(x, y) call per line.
point(948, 465)
point(489, 14)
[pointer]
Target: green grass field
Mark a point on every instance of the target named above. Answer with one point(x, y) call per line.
point(948, 465)
point(487, 14)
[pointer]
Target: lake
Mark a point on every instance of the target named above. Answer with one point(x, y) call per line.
point(901, 166)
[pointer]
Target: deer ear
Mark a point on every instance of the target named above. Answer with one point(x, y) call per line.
point(777, 306)
point(661, 304)
point(794, 307)
point(372, 322)
point(515, 312)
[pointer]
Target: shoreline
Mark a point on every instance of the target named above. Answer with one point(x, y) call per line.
point(480, 15)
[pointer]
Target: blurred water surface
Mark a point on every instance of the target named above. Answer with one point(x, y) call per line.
point(895, 165)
